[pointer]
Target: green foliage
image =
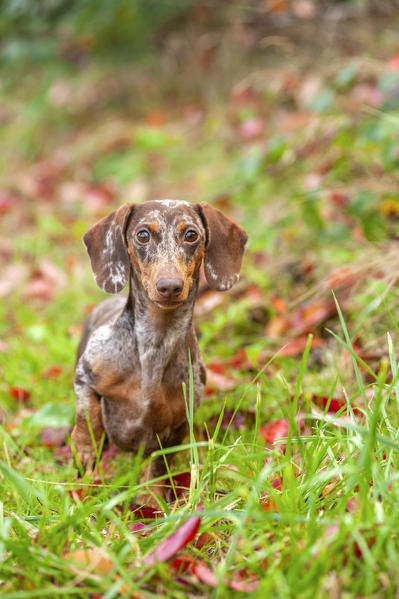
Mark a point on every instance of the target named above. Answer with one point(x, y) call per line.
point(35, 30)
point(315, 184)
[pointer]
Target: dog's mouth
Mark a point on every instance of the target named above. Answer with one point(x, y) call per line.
point(168, 304)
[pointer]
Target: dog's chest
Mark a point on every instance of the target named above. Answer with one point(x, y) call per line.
point(136, 409)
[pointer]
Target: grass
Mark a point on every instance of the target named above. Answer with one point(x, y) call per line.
point(311, 515)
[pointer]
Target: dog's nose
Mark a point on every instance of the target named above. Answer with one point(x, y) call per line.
point(170, 287)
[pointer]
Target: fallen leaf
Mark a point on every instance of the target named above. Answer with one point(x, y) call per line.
point(243, 582)
point(46, 280)
point(181, 484)
point(335, 405)
point(297, 345)
point(205, 575)
point(8, 201)
point(232, 421)
point(309, 315)
point(277, 327)
point(63, 454)
point(94, 558)
point(176, 541)
point(218, 382)
point(207, 302)
point(393, 63)
point(340, 277)
point(240, 361)
point(19, 393)
point(277, 429)
point(279, 305)
point(55, 437)
point(183, 563)
point(139, 528)
point(52, 372)
point(143, 512)
point(12, 278)
point(251, 129)
point(156, 118)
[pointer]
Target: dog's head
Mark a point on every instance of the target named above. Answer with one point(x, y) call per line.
point(164, 242)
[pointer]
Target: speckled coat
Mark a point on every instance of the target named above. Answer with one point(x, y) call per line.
point(134, 353)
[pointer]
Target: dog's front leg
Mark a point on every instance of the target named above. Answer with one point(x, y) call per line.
point(88, 410)
point(157, 468)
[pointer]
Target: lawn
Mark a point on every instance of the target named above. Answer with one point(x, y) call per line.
point(287, 485)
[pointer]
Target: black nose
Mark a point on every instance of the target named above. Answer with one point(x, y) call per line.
point(170, 287)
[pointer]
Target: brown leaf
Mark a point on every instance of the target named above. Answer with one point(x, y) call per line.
point(311, 314)
point(277, 327)
point(297, 346)
point(94, 559)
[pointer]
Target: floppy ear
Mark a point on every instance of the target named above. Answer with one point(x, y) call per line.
point(224, 248)
point(105, 243)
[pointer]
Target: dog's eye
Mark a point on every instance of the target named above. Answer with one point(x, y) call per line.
point(191, 236)
point(143, 236)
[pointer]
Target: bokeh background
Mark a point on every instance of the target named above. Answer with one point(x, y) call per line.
point(282, 113)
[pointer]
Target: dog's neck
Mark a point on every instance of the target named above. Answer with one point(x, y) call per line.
point(158, 332)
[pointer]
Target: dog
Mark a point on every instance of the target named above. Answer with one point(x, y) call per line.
point(133, 357)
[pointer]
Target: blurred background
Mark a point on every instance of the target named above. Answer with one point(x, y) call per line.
point(284, 114)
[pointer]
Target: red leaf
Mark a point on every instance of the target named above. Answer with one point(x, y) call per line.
point(77, 494)
point(334, 406)
point(8, 201)
point(393, 63)
point(340, 277)
point(156, 118)
point(176, 541)
point(19, 393)
point(251, 129)
point(203, 539)
point(205, 575)
point(276, 429)
point(143, 512)
point(182, 564)
point(240, 361)
point(62, 453)
point(244, 583)
point(52, 372)
point(267, 503)
point(279, 304)
point(218, 382)
point(297, 346)
point(311, 314)
point(217, 367)
point(182, 483)
point(55, 437)
point(237, 422)
point(139, 528)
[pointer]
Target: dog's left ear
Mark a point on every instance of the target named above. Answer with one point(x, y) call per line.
point(224, 248)
point(106, 246)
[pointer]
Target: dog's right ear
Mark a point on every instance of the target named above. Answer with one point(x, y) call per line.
point(106, 246)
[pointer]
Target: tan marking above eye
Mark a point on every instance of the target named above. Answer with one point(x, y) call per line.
point(181, 227)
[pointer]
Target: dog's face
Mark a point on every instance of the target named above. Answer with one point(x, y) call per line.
point(163, 243)
point(166, 243)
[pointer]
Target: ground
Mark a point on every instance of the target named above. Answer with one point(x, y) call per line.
point(290, 470)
